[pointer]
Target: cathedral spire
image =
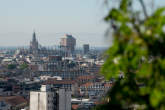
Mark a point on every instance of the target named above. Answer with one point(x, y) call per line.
point(34, 43)
point(34, 36)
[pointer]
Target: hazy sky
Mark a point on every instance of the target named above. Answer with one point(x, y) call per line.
point(51, 19)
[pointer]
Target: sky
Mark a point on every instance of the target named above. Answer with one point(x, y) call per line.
point(52, 19)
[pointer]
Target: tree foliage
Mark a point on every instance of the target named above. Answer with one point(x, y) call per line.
point(138, 52)
point(11, 66)
point(23, 66)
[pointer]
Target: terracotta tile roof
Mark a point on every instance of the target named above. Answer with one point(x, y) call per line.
point(75, 106)
point(99, 102)
point(108, 85)
point(59, 82)
point(13, 100)
point(86, 77)
point(87, 84)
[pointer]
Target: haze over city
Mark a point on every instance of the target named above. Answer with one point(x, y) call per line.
point(51, 20)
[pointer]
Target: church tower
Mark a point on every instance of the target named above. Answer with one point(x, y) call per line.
point(34, 43)
point(34, 37)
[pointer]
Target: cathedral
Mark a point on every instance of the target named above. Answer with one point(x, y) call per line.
point(39, 51)
point(34, 44)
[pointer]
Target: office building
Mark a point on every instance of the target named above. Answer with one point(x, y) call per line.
point(85, 48)
point(68, 42)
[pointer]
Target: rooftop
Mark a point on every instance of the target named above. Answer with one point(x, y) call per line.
point(13, 100)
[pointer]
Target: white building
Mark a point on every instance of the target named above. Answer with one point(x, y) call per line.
point(44, 78)
point(64, 100)
point(49, 99)
point(95, 89)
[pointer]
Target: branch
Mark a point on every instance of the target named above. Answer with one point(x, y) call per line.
point(144, 8)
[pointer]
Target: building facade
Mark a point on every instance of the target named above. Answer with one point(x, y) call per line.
point(50, 99)
point(95, 89)
point(68, 42)
point(85, 48)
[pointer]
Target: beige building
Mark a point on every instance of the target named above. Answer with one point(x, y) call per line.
point(50, 99)
point(68, 42)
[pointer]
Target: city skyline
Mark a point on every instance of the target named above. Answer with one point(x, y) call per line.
point(51, 20)
point(54, 41)
point(82, 54)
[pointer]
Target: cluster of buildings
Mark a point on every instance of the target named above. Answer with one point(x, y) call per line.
point(40, 78)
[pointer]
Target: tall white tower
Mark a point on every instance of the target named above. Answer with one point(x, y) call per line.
point(49, 99)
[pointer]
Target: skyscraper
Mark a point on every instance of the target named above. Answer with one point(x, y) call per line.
point(86, 48)
point(68, 42)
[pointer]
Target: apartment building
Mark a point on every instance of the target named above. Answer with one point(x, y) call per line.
point(49, 98)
